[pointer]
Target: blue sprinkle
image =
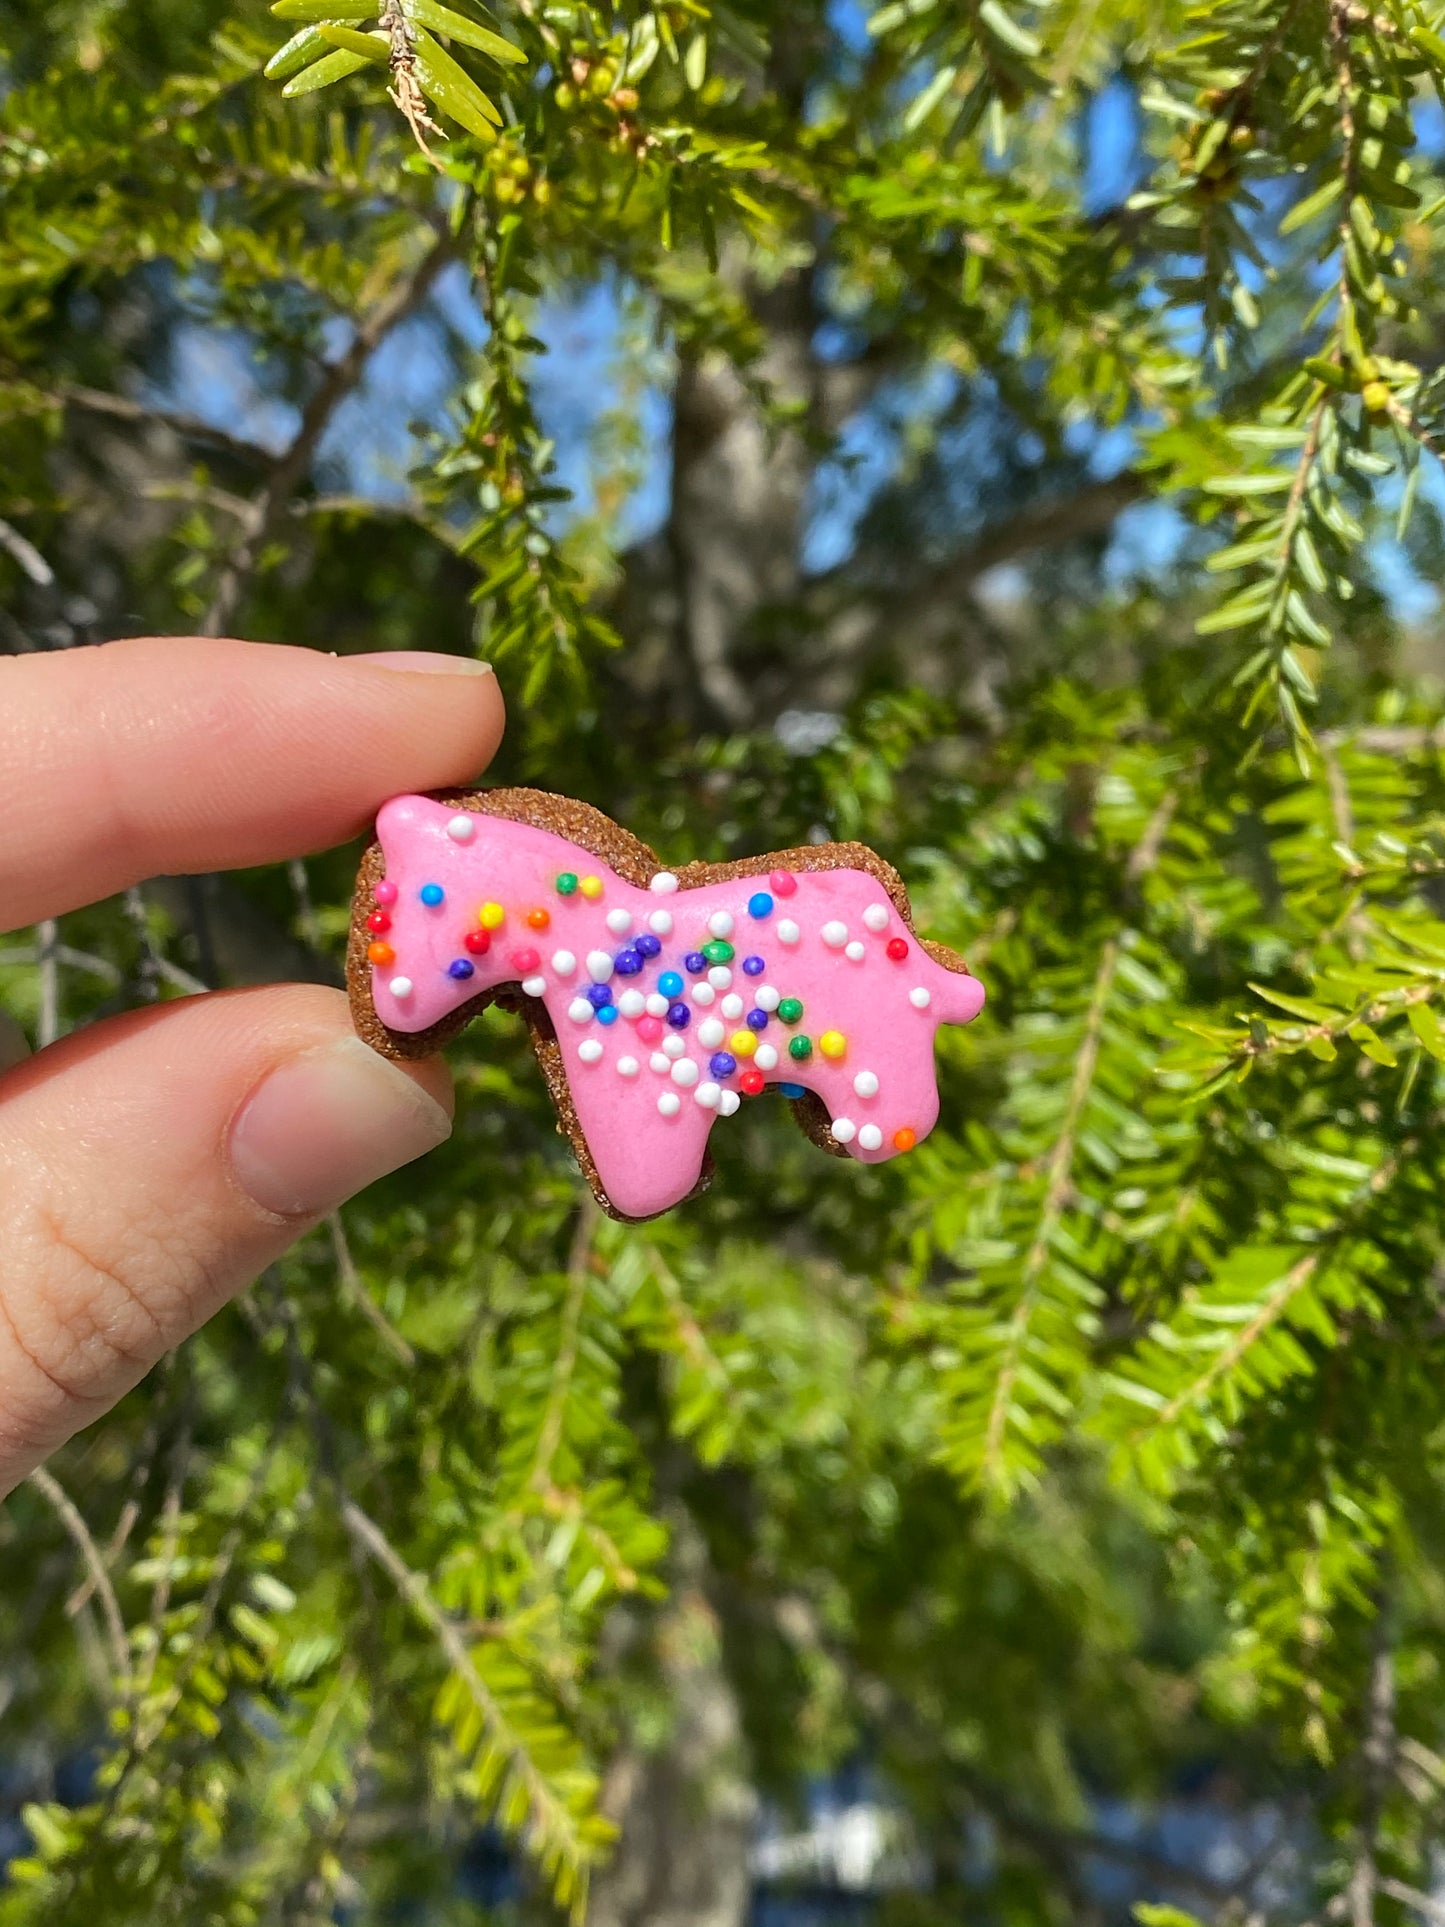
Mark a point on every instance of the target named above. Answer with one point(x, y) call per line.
point(627, 963)
point(678, 1015)
point(754, 966)
point(647, 945)
point(607, 1014)
point(761, 905)
point(695, 962)
point(669, 984)
point(461, 968)
point(722, 1063)
point(757, 1020)
point(431, 893)
point(598, 995)
point(793, 1090)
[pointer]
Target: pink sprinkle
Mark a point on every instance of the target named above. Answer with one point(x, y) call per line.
point(784, 883)
point(385, 892)
point(649, 1029)
point(526, 961)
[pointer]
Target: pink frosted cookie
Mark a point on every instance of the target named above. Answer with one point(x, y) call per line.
point(658, 1001)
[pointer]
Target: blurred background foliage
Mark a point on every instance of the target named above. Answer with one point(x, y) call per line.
point(1006, 433)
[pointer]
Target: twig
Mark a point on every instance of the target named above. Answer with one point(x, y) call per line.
point(549, 1435)
point(31, 561)
point(191, 428)
point(47, 958)
point(1377, 1762)
point(354, 1290)
point(55, 1496)
point(290, 467)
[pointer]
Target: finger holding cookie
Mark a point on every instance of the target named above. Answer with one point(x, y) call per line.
point(152, 1164)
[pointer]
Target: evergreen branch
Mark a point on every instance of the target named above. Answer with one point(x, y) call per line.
point(553, 1828)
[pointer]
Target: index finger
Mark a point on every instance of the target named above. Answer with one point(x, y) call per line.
point(167, 756)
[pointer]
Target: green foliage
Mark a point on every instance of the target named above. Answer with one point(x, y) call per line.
point(1099, 1436)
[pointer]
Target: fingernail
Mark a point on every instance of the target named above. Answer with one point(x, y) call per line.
point(426, 662)
point(326, 1124)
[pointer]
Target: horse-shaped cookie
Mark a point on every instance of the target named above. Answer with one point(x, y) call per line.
point(658, 1002)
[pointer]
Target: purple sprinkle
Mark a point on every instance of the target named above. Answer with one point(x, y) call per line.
point(598, 995)
point(461, 968)
point(679, 1016)
point(695, 962)
point(627, 962)
point(647, 945)
point(754, 966)
point(757, 1020)
point(722, 1063)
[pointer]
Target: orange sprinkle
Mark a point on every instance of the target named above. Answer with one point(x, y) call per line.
point(539, 918)
point(381, 953)
point(905, 1139)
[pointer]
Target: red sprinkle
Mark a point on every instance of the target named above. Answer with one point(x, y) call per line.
point(752, 1082)
point(897, 949)
point(526, 961)
point(479, 942)
point(784, 883)
point(378, 921)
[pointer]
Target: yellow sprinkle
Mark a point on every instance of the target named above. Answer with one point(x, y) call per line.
point(742, 1043)
point(832, 1043)
point(591, 887)
point(491, 916)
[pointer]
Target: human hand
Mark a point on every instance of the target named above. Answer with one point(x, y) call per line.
point(151, 1165)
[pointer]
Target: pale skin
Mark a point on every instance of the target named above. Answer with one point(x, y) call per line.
point(151, 1165)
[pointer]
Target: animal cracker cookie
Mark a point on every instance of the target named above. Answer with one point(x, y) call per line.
point(657, 1001)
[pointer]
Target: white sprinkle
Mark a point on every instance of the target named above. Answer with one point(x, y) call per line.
point(707, 1094)
point(400, 986)
point(721, 923)
point(866, 1084)
point(664, 883)
point(661, 922)
point(765, 1057)
point(684, 1072)
point(619, 922)
point(632, 1003)
point(870, 1137)
point(732, 1007)
point(875, 917)
point(834, 934)
point(563, 962)
point(719, 976)
point(657, 1005)
point(788, 931)
point(628, 1066)
point(728, 1103)
point(534, 986)
point(580, 1011)
point(599, 966)
point(461, 829)
point(710, 1033)
point(855, 952)
point(844, 1129)
point(590, 1050)
point(766, 998)
point(674, 1046)
point(703, 994)
point(920, 998)
point(669, 1104)
point(660, 1063)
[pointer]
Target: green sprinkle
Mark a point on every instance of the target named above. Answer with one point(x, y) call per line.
point(566, 884)
point(790, 1010)
point(799, 1047)
point(718, 952)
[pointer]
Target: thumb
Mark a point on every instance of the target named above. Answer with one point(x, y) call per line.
point(151, 1166)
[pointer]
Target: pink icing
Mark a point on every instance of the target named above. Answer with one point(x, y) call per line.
point(648, 1161)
